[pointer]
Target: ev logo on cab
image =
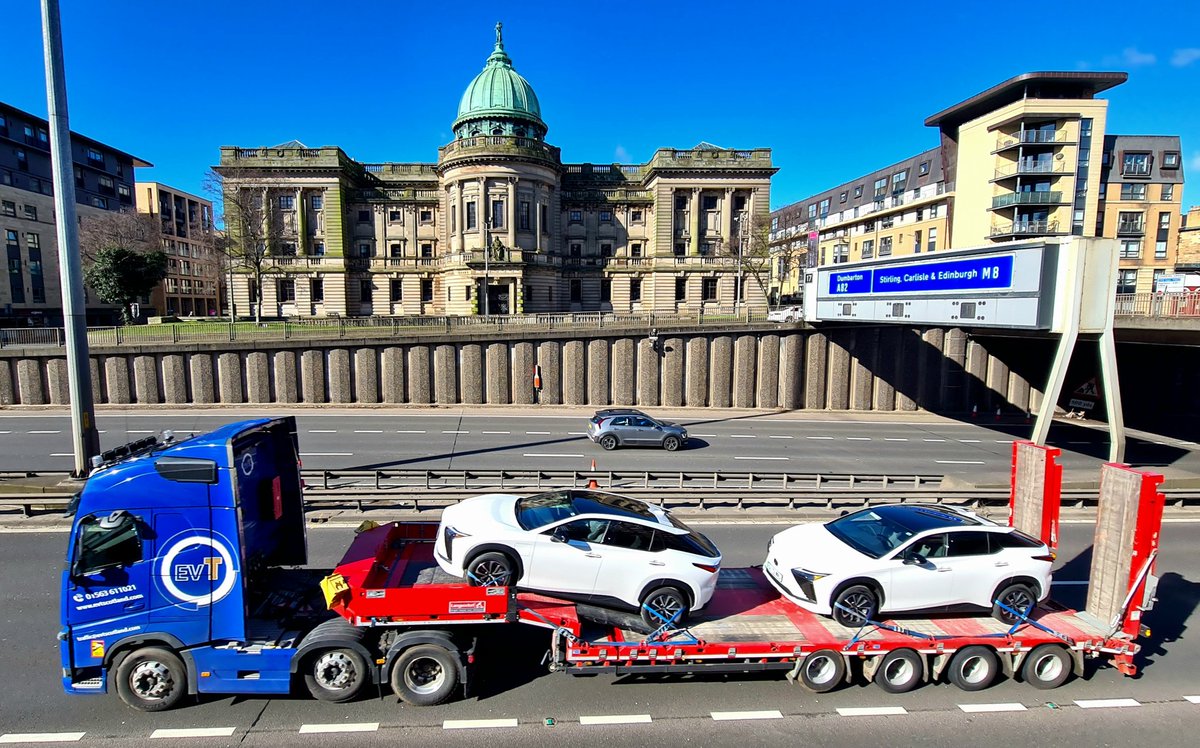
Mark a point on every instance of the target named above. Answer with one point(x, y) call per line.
point(196, 570)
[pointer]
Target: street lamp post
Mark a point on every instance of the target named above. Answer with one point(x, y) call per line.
point(487, 251)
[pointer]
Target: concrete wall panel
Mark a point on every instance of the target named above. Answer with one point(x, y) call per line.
point(499, 375)
point(624, 372)
point(549, 357)
point(57, 385)
point(286, 378)
point(839, 371)
point(816, 369)
point(648, 369)
point(745, 351)
point(791, 372)
point(312, 376)
point(720, 372)
point(392, 374)
point(673, 372)
point(200, 375)
point(229, 378)
point(341, 378)
point(258, 377)
point(366, 375)
point(523, 361)
point(445, 374)
point(116, 379)
point(697, 372)
point(470, 373)
point(575, 372)
point(175, 390)
point(420, 375)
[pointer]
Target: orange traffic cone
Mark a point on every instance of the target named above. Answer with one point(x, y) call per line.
point(592, 481)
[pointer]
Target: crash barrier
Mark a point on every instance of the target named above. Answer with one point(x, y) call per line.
point(425, 490)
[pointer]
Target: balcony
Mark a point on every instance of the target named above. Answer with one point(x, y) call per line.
point(489, 146)
point(1025, 228)
point(1030, 166)
point(1131, 228)
point(397, 263)
point(1027, 198)
point(1031, 137)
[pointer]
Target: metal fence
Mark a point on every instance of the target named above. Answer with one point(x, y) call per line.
point(1179, 305)
point(370, 327)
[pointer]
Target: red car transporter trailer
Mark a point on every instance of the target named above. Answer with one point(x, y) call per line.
point(420, 626)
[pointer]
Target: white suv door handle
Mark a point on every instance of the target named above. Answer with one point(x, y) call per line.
point(592, 555)
point(944, 568)
point(658, 563)
point(1001, 563)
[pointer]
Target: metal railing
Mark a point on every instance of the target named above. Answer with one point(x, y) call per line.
point(1026, 228)
point(1027, 198)
point(317, 328)
point(1031, 167)
point(1177, 305)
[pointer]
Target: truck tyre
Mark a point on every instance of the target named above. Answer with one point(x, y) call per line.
point(335, 675)
point(822, 670)
point(609, 442)
point(667, 602)
point(1047, 666)
point(671, 443)
point(974, 668)
point(151, 679)
point(901, 671)
point(425, 676)
point(862, 602)
point(492, 569)
point(1016, 596)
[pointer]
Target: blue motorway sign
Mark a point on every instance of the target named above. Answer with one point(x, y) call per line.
point(982, 273)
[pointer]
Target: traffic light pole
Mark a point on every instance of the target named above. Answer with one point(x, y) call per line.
point(85, 438)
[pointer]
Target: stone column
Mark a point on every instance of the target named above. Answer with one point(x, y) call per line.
point(720, 372)
point(697, 372)
point(598, 368)
point(727, 217)
point(301, 223)
point(511, 212)
point(537, 218)
point(694, 223)
point(459, 218)
point(648, 362)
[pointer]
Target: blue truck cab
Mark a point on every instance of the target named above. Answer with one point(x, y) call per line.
point(180, 573)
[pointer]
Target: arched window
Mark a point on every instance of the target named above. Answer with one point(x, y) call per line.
point(497, 131)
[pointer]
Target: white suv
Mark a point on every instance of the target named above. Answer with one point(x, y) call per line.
point(582, 545)
point(906, 558)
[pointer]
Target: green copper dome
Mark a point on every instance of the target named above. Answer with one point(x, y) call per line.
point(499, 93)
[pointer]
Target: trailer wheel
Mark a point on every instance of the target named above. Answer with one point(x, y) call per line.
point(901, 671)
point(335, 675)
point(151, 679)
point(425, 675)
point(822, 670)
point(974, 668)
point(1016, 596)
point(491, 570)
point(1047, 666)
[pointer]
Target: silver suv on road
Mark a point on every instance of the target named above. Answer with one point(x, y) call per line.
point(619, 427)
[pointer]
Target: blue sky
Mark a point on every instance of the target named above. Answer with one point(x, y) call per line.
point(172, 82)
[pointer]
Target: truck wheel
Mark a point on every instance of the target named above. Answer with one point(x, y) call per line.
point(900, 672)
point(425, 675)
point(151, 679)
point(974, 668)
point(1047, 666)
point(1016, 596)
point(822, 670)
point(491, 570)
point(609, 442)
point(336, 675)
point(862, 602)
point(666, 602)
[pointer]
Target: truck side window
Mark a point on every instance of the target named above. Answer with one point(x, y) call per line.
point(107, 543)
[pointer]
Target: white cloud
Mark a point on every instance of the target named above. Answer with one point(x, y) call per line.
point(1194, 161)
point(621, 156)
point(1134, 58)
point(1184, 57)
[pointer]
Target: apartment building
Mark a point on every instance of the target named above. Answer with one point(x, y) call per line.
point(104, 178)
point(1029, 157)
point(499, 224)
point(193, 284)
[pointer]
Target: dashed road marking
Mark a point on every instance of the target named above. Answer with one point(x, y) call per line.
point(472, 724)
point(62, 454)
point(743, 436)
point(706, 436)
point(456, 432)
point(537, 433)
point(1011, 706)
point(12, 738)
point(547, 454)
point(497, 432)
point(1105, 703)
point(1004, 441)
point(729, 716)
point(322, 431)
point(781, 437)
point(576, 433)
point(818, 437)
point(960, 462)
point(326, 454)
point(762, 458)
point(895, 439)
point(45, 431)
point(368, 431)
point(193, 732)
point(858, 438)
point(410, 431)
point(127, 431)
point(1193, 699)
point(338, 727)
point(616, 719)
point(968, 441)
point(9, 432)
point(870, 711)
point(933, 440)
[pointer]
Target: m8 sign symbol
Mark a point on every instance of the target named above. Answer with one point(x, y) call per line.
point(197, 570)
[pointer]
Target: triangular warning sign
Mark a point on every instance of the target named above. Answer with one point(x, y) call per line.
point(1088, 389)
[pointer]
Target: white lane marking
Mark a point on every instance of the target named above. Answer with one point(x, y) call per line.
point(870, 711)
point(10, 738)
point(127, 431)
point(762, 458)
point(1011, 706)
point(818, 437)
point(62, 454)
point(470, 724)
point(41, 431)
point(9, 432)
point(368, 431)
point(322, 431)
point(1084, 583)
point(537, 433)
point(576, 433)
point(410, 432)
point(456, 432)
point(781, 437)
point(347, 727)
point(960, 462)
point(765, 714)
point(933, 440)
point(193, 732)
point(968, 441)
point(326, 454)
point(616, 719)
point(706, 436)
point(895, 439)
point(858, 438)
point(497, 432)
point(1193, 699)
point(1105, 703)
point(743, 436)
point(1004, 441)
point(547, 454)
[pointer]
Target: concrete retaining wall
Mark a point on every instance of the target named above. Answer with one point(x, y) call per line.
point(861, 369)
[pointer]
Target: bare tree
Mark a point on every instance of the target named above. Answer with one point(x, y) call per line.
point(123, 258)
point(749, 247)
point(252, 230)
point(789, 255)
point(135, 231)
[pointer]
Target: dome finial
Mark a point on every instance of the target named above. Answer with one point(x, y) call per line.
point(499, 38)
